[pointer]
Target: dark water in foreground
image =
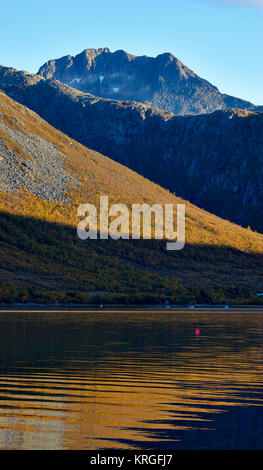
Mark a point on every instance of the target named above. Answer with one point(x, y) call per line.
point(139, 380)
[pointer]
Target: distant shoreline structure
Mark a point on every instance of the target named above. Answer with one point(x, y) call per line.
point(17, 307)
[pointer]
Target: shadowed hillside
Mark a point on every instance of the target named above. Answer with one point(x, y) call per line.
point(43, 261)
point(213, 160)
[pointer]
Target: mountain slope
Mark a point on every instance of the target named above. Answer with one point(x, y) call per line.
point(162, 81)
point(44, 176)
point(213, 160)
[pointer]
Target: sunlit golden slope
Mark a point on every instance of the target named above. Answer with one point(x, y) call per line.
point(50, 175)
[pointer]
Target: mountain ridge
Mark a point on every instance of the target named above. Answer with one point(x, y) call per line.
point(162, 81)
point(42, 258)
point(214, 160)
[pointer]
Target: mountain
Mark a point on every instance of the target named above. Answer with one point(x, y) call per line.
point(213, 160)
point(162, 81)
point(45, 176)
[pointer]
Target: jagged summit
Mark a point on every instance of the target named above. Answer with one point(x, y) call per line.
point(162, 81)
point(97, 51)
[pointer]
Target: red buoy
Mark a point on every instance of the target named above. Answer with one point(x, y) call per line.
point(197, 332)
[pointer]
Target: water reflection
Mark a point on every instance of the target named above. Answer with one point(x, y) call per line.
point(83, 380)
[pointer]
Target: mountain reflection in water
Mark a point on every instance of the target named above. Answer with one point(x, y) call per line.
point(131, 380)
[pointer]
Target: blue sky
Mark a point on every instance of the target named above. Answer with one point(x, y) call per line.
point(221, 40)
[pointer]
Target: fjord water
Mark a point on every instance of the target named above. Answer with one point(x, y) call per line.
point(131, 380)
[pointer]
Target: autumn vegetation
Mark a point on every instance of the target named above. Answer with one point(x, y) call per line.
point(42, 260)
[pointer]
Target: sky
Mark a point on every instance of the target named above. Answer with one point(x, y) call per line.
point(221, 40)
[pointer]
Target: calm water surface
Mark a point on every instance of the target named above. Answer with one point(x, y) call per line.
point(131, 380)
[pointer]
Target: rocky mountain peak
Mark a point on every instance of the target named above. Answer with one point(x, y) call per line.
point(163, 81)
point(91, 52)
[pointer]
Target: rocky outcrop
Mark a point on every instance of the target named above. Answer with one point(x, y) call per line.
point(213, 160)
point(163, 81)
point(34, 165)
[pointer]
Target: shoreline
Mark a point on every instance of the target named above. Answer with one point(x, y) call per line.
point(115, 307)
